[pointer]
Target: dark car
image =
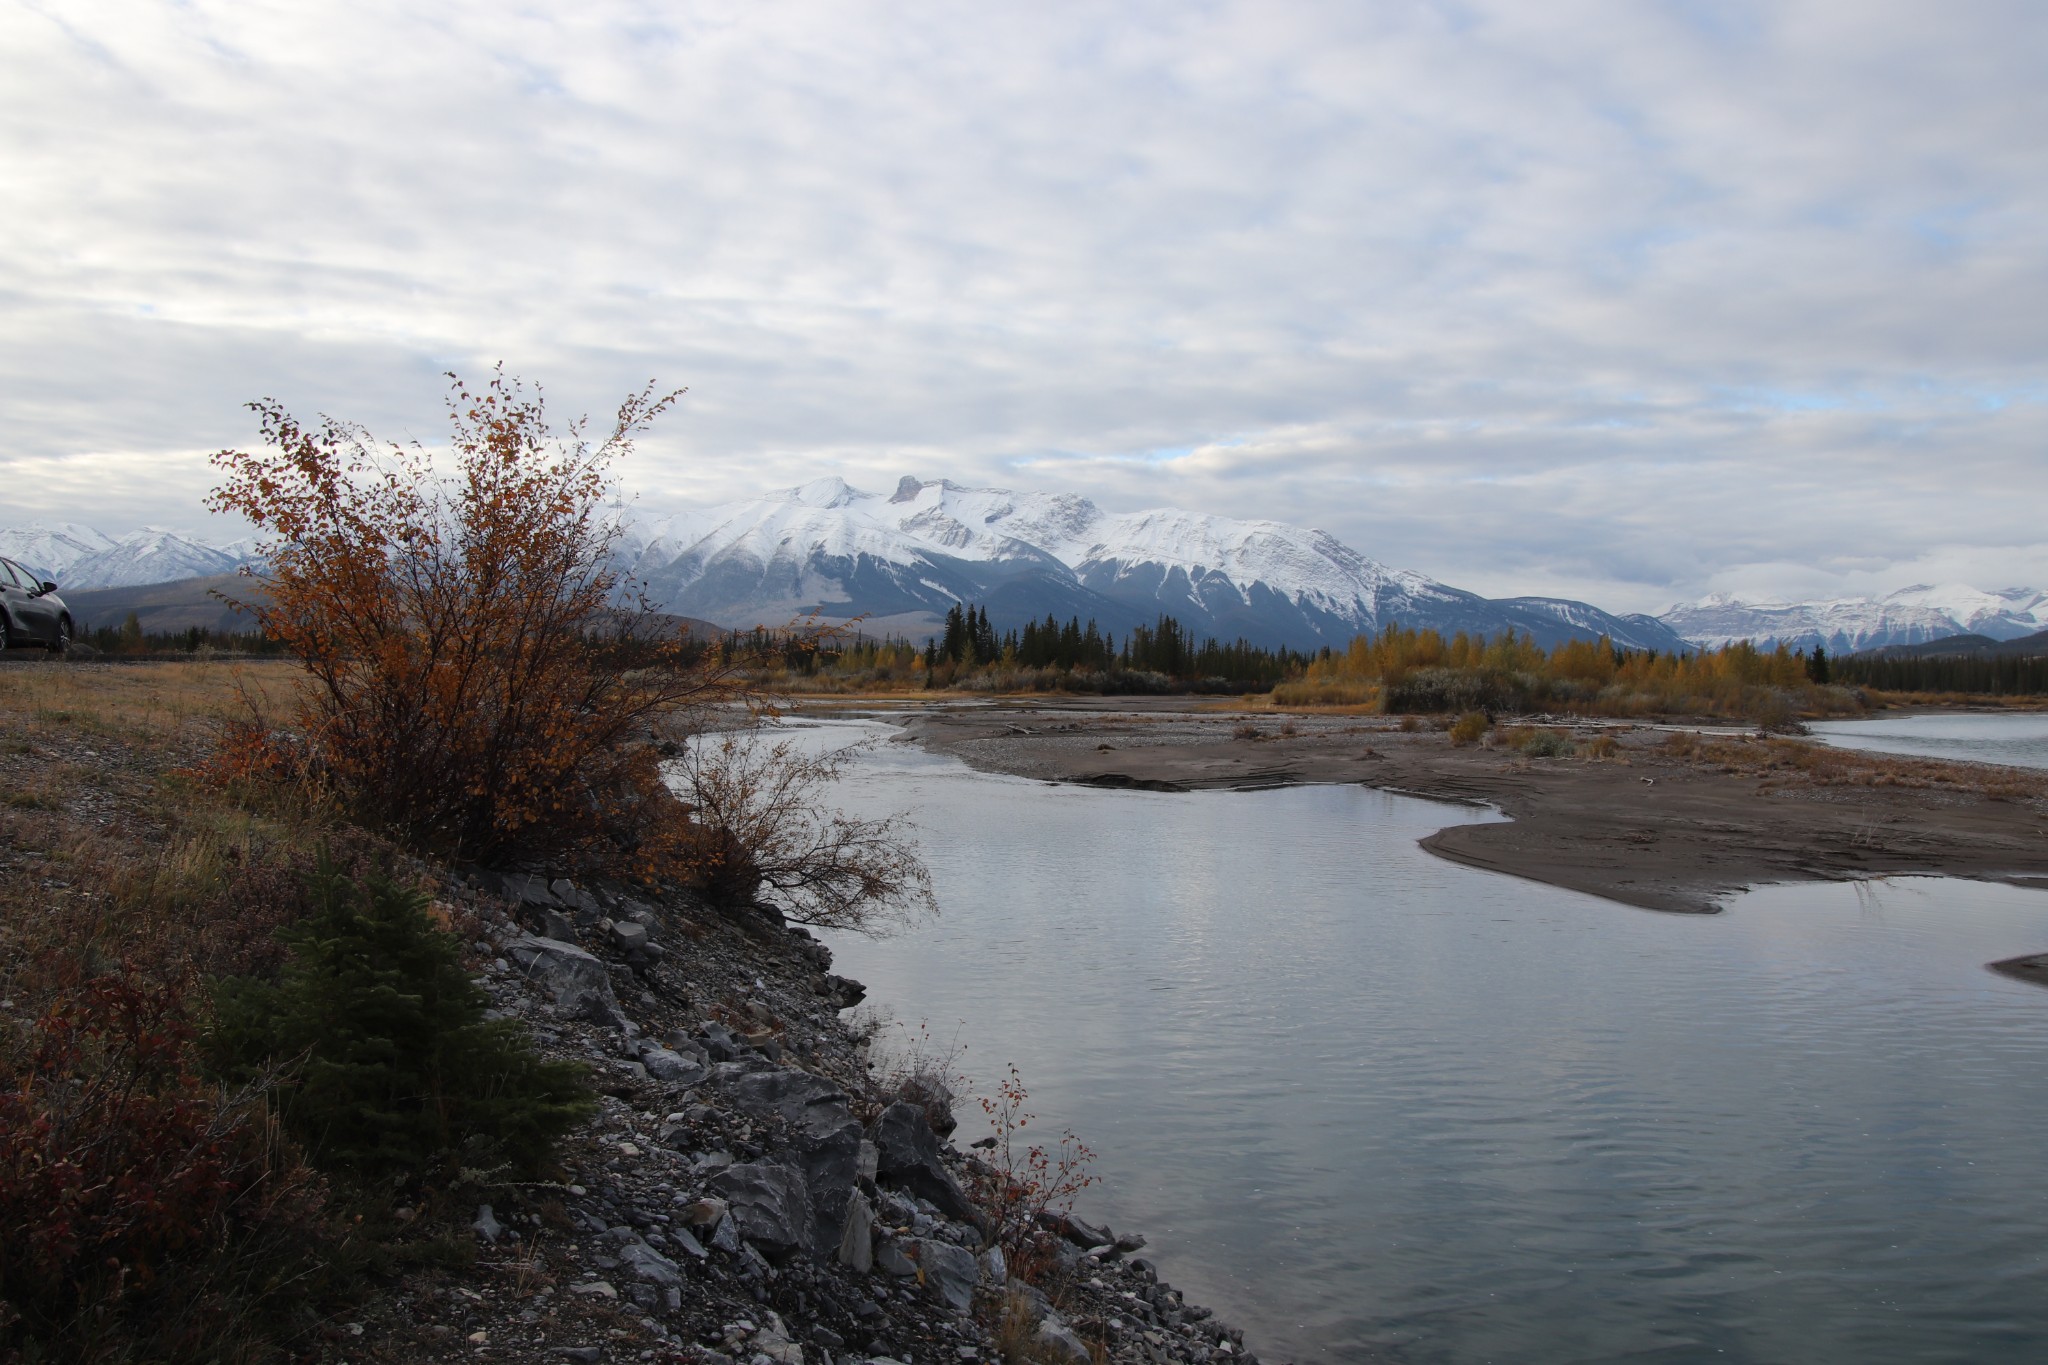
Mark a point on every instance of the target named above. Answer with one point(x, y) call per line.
point(31, 613)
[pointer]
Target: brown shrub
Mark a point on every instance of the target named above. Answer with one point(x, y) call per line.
point(469, 684)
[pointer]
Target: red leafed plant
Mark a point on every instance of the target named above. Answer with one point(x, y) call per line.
point(1022, 1187)
point(141, 1206)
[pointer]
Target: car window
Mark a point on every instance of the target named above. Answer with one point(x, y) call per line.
point(14, 577)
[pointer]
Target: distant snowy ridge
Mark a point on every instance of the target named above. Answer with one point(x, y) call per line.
point(80, 557)
point(900, 560)
point(1845, 625)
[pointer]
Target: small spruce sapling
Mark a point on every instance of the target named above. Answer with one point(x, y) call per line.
point(398, 1074)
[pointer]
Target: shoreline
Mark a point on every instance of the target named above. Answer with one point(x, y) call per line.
point(1647, 826)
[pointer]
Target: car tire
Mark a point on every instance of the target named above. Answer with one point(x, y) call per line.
point(10, 638)
point(63, 640)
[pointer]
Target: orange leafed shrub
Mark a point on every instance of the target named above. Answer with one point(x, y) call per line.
point(472, 685)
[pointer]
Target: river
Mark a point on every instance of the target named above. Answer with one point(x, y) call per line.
point(2016, 739)
point(1371, 1105)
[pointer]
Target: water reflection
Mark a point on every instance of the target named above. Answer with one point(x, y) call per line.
point(1373, 1105)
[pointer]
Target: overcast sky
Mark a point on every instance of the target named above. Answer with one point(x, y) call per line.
point(1628, 301)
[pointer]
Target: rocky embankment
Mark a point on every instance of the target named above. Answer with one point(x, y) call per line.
point(750, 1190)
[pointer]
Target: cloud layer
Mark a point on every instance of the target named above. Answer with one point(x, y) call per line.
point(1626, 300)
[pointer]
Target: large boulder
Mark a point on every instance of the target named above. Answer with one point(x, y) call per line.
point(907, 1158)
point(578, 982)
point(769, 1204)
point(950, 1272)
point(822, 1129)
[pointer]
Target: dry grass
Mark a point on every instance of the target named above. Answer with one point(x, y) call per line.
point(111, 852)
point(1797, 763)
point(145, 703)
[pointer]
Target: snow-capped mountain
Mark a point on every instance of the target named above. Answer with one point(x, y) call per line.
point(1844, 625)
point(903, 559)
point(2004, 615)
point(81, 557)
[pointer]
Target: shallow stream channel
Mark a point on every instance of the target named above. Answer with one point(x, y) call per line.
point(1371, 1105)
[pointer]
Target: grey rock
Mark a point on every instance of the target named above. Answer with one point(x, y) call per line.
point(719, 1044)
point(684, 1242)
point(487, 1227)
point(869, 1159)
point(643, 1260)
point(823, 1131)
point(770, 1205)
point(569, 894)
point(672, 1068)
point(577, 981)
point(727, 1238)
point(995, 1268)
point(908, 1158)
point(892, 1257)
point(589, 1354)
point(1059, 1339)
point(857, 1234)
point(553, 924)
point(705, 1213)
point(843, 991)
point(950, 1272)
point(527, 889)
point(1084, 1234)
point(679, 1041)
point(628, 937)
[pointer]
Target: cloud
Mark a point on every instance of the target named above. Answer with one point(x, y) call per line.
point(1634, 300)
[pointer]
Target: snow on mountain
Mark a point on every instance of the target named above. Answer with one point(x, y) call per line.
point(1842, 625)
point(51, 550)
point(2004, 615)
point(81, 557)
point(150, 556)
point(902, 560)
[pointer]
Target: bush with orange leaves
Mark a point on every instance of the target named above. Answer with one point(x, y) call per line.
point(472, 686)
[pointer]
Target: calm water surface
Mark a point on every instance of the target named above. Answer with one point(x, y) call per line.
point(2019, 741)
point(1374, 1106)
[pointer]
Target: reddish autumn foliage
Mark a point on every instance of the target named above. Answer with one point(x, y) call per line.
point(144, 1211)
point(1025, 1187)
point(472, 685)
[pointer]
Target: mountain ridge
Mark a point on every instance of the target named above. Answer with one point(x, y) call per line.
point(900, 559)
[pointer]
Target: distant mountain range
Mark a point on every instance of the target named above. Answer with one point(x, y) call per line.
point(1847, 625)
point(81, 557)
point(902, 559)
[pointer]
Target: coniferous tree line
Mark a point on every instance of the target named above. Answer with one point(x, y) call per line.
point(1987, 675)
point(1084, 655)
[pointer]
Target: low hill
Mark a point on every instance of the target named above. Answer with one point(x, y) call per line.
point(2033, 646)
point(166, 607)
